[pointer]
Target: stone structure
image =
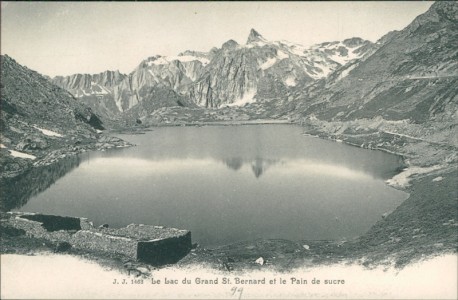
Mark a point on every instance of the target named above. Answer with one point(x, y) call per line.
point(156, 245)
point(53, 228)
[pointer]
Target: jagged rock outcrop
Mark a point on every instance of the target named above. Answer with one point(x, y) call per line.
point(238, 74)
point(254, 37)
point(96, 91)
point(158, 73)
point(86, 84)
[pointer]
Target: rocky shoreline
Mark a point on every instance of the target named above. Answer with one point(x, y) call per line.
point(13, 166)
point(424, 225)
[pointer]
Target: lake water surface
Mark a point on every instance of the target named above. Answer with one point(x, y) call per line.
point(228, 184)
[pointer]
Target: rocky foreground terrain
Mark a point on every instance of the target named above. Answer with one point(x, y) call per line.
point(397, 95)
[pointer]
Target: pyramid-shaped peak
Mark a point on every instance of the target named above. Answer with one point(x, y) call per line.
point(254, 36)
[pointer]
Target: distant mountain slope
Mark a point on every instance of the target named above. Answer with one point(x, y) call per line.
point(96, 91)
point(85, 84)
point(28, 94)
point(413, 75)
point(158, 73)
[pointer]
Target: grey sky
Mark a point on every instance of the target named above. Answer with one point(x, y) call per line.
point(62, 38)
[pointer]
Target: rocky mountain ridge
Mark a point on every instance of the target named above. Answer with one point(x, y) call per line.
point(233, 75)
point(240, 74)
point(96, 91)
point(80, 85)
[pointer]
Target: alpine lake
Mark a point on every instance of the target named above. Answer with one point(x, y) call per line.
point(226, 184)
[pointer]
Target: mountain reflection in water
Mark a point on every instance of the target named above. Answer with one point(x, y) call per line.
point(16, 191)
point(258, 165)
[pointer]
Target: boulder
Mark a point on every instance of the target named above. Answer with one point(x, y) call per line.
point(32, 143)
point(62, 247)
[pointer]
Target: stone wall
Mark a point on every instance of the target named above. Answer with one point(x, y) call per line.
point(156, 245)
point(98, 241)
point(36, 229)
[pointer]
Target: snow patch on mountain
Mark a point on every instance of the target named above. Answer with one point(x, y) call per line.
point(48, 132)
point(165, 60)
point(22, 154)
point(98, 89)
point(342, 51)
point(290, 81)
point(282, 55)
point(295, 49)
point(320, 71)
point(346, 72)
point(247, 98)
point(254, 44)
point(268, 63)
